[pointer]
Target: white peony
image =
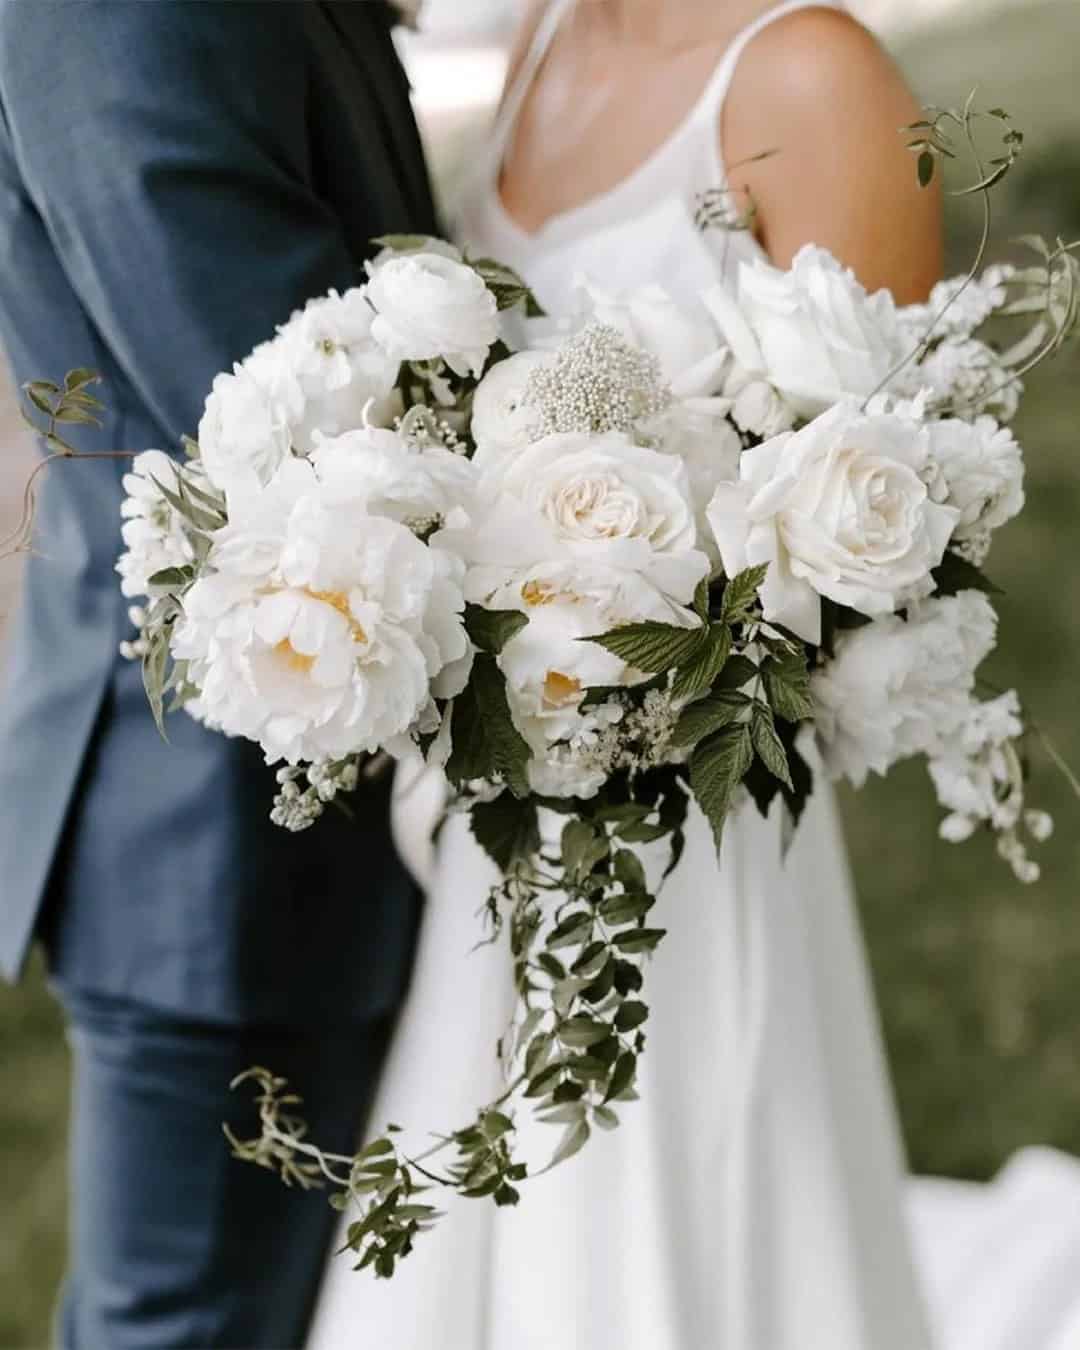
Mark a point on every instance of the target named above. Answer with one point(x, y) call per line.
point(427, 306)
point(548, 667)
point(421, 486)
point(982, 473)
point(838, 509)
point(154, 534)
point(812, 332)
point(321, 630)
point(685, 343)
point(244, 434)
point(325, 368)
point(502, 418)
point(599, 499)
point(897, 689)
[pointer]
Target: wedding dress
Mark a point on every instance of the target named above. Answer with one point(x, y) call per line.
point(753, 1198)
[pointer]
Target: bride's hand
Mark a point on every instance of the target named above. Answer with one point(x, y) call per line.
point(816, 88)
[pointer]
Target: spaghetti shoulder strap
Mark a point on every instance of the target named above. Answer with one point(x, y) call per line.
point(716, 90)
point(523, 77)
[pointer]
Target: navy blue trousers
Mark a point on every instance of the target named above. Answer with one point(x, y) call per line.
point(174, 1244)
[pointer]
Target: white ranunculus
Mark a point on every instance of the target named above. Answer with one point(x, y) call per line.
point(320, 630)
point(420, 486)
point(326, 369)
point(969, 375)
point(601, 500)
point(502, 419)
point(838, 509)
point(154, 534)
point(982, 471)
point(428, 306)
point(756, 407)
point(812, 331)
point(896, 689)
point(685, 343)
point(244, 433)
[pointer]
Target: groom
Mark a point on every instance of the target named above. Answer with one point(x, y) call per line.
point(175, 178)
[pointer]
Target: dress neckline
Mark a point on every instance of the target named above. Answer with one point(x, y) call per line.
point(706, 107)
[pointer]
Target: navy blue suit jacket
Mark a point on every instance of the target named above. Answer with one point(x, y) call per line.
point(176, 178)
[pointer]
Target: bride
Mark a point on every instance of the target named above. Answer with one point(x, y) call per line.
point(752, 1199)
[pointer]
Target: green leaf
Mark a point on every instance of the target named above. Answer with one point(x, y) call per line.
point(405, 243)
point(508, 830)
point(539, 1085)
point(708, 716)
point(492, 629)
point(716, 770)
point(629, 871)
point(956, 574)
point(741, 593)
point(581, 1032)
point(617, 910)
point(628, 978)
point(573, 1141)
point(787, 686)
point(700, 672)
point(767, 744)
point(701, 600)
point(639, 939)
point(739, 671)
point(172, 577)
point(622, 1076)
point(926, 168)
point(486, 744)
point(537, 1055)
point(630, 1016)
point(582, 848)
point(571, 930)
point(80, 377)
point(605, 1117)
point(652, 647)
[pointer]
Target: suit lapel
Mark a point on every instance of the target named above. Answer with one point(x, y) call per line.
point(365, 32)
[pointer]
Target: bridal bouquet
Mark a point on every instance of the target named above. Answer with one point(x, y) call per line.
point(600, 568)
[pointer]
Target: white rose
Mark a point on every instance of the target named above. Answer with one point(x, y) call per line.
point(154, 534)
point(756, 406)
point(685, 343)
point(708, 447)
point(502, 419)
point(428, 306)
point(601, 500)
point(838, 509)
point(320, 630)
point(896, 689)
point(982, 470)
point(812, 332)
point(244, 433)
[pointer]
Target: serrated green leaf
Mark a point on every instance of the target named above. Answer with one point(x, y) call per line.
point(709, 715)
point(700, 672)
point(955, 574)
point(485, 742)
point(507, 829)
point(741, 593)
point(787, 686)
point(652, 647)
point(701, 600)
point(738, 671)
point(767, 743)
point(717, 767)
point(492, 629)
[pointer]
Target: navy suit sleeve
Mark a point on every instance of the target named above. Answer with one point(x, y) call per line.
point(165, 146)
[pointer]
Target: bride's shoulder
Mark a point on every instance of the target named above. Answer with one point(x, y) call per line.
point(816, 88)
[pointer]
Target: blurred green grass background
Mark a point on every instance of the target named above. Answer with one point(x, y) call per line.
point(978, 978)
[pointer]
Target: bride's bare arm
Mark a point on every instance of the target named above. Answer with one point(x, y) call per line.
point(816, 88)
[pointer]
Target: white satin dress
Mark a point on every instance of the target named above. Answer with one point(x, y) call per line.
point(753, 1199)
